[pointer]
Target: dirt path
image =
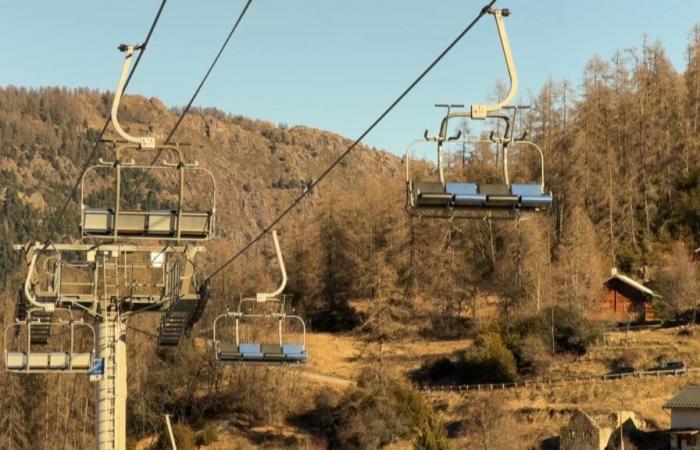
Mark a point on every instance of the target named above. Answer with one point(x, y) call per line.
point(328, 379)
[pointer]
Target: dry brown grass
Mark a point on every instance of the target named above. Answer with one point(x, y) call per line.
point(345, 356)
point(531, 414)
point(537, 413)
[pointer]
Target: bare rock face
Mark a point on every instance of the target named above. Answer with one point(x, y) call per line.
point(259, 167)
point(157, 104)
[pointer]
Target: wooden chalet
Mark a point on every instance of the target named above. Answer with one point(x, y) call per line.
point(626, 300)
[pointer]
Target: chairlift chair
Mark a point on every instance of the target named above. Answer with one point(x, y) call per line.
point(280, 352)
point(452, 199)
point(27, 359)
point(114, 222)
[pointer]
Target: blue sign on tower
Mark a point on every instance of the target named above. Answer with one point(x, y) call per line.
point(97, 370)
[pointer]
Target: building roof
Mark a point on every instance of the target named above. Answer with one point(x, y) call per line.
point(615, 275)
point(688, 398)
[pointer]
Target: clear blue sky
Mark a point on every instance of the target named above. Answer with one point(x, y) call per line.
point(329, 64)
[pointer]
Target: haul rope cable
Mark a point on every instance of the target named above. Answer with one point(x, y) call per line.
point(352, 146)
point(199, 87)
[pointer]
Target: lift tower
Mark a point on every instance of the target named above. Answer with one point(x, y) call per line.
point(114, 273)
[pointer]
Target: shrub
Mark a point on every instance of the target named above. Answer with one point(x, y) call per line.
point(432, 435)
point(532, 355)
point(340, 318)
point(208, 435)
point(435, 370)
point(184, 438)
point(563, 330)
point(379, 411)
point(489, 361)
point(447, 326)
point(628, 358)
point(440, 369)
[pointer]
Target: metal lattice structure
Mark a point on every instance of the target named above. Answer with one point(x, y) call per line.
point(111, 279)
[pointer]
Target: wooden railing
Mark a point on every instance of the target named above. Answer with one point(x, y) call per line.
point(546, 382)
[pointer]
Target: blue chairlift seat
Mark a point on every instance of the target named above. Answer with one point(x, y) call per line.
point(294, 352)
point(531, 196)
point(251, 352)
point(229, 351)
point(465, 194)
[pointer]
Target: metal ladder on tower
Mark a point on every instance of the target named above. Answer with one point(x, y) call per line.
point(177, 318)
point(110, 276)
point(108, 390)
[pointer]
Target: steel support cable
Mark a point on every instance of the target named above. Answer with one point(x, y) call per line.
point(199, 87)
point(352, 146)
point(93, 152)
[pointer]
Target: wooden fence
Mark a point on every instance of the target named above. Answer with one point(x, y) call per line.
point(543, 383)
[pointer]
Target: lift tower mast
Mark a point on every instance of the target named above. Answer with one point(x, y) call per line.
point(115, 276)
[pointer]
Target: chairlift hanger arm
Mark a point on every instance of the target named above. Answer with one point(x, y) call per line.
point(481, 111)
point(143, 142)
point(32, 251)
point(263, 296)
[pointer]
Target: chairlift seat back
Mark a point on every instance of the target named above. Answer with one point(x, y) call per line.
point(228, 351)
point(465, 194)
point(152, 223)
point(272, 352)
point(531, 195)
point(15, 360)
point(431, 194)
point(294, 352)
point(195, 224)
point(250, 352)
point(98, 221)
point(81, 361)
point(132, 222)
point(48, 361)
point(161, 222)
point(498, 195)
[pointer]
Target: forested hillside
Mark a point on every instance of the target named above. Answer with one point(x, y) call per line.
point(622, 152)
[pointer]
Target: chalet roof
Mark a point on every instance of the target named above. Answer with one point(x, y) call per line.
point(688, 398)
point(615, 275)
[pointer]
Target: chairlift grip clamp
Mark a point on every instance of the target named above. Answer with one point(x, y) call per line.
point(505, 12)
point(126, 47)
